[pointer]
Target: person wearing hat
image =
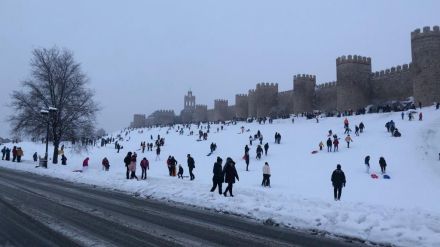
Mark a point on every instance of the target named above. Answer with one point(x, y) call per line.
point(338, 181)
point(217, 177)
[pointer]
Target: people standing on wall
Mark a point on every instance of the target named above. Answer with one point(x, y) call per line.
point(338, 181)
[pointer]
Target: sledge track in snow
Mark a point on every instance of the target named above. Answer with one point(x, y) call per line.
point(51, 211)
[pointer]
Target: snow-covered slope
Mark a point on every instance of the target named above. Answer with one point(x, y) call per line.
point(404, 210)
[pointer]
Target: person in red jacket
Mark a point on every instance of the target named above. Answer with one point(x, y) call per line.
point(145, 165)
point(335, 145)
point(85, 164)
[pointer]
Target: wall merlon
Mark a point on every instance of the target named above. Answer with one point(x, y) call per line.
point(393, 70)
point(426, 31)
point(353, 59)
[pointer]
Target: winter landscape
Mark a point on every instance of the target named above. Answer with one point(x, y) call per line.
point(232, 123)
point(386, 211)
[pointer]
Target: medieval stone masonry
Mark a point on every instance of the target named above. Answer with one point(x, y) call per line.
point(356, 87)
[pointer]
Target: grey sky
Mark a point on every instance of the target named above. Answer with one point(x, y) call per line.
point(144, 55)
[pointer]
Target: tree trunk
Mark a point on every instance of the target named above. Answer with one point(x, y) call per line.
point(55, 153)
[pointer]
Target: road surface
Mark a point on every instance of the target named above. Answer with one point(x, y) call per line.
point(43, 211)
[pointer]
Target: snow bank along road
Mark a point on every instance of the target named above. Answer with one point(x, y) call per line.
point(43, 211)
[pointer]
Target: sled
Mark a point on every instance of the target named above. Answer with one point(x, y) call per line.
point(374, 176)
point(386, 176)
point(209, 154)
point(314, 151)
point(199, 140)
point(77, 171)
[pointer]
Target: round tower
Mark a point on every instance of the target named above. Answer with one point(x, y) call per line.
point(425, 52)
point(353, 80)
point(303, 93)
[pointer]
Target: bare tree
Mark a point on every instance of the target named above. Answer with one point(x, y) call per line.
point(57, 81)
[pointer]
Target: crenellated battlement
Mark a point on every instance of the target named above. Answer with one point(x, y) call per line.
point(165, 111)
point(220, 101)
point(304, 77)
point(285, 93)
point(353, 59)
point(201, 106)
point(266, 85)
point(426, 31)
point(326, 85)
point(391, 71)
point(241, 95)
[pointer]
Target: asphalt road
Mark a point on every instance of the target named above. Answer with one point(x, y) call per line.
point(43, 211)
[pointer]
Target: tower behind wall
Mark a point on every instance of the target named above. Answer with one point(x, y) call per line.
point(241, 106)
point(303, 93)
point(425, 51)
point(353, 79)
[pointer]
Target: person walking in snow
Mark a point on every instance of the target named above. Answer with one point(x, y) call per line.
point(383, 165)
point(348, 140)
point(329, 144)
point(191, 166)
point(14, 154)
point(261, 139)
point(217, 177)
point(259, 151)
point(246, 149)
point(320, 145)
point(361, 127)
point(356, 130)
point(132, 167)
point(403, 115)
point(127, 161)
point(105, 164)
point(420, 116)
point(367, 163)
point(85, 164)
point(335, 145)
point(145, 165)
point(266, 147)
point(345, 123)
point(250, 140)
point(35, 157)
point(158, 153)
point(246, 159)
point(3, 152)
point(338, 181)
point(266, 175)
point(63, 160)
point(230, 174)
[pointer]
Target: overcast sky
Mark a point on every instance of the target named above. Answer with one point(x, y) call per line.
point(145, 55)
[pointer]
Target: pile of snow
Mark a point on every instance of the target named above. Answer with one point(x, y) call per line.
point(403, 210)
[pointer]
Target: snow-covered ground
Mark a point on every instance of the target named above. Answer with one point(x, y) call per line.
point(404, 210)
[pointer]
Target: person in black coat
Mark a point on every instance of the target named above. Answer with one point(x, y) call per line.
point(191, 166)
point(338, 181)
point(329, 145)
point(383, 164)
point(230, 174)
point(63, 160)
point(217, 177)
point(127, 161)
point(259, 151)
point(266, 147)
point(367, 163)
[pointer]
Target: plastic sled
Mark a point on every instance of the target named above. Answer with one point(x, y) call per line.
point(314, 151)
point(374, 176)
point(386, 177)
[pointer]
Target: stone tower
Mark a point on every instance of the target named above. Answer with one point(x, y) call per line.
point(303, 93)
point(220, 110)
point(425, 51)
point(252, 108)
point(266, 95)
point(353, 79)
point(241, 106)
point(189, 102)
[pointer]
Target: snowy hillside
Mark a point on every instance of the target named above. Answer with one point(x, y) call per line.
point(403, 210)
